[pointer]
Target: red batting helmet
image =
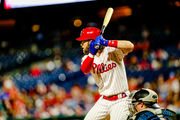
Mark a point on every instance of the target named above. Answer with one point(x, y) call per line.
point(89, 33)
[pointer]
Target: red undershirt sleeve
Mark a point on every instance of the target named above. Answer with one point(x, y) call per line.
point(87, 64)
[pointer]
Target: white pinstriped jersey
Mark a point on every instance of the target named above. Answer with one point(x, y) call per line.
point(109, 72)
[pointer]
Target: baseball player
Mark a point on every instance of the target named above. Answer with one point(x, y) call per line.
point(144, 107)
point(107, 67)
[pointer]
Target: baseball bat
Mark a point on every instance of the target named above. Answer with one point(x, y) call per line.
point(107, 18)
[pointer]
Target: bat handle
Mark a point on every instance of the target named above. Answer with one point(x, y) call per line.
point(97, 46)
point(102, 29)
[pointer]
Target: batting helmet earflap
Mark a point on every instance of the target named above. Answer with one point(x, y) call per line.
point(89, 33)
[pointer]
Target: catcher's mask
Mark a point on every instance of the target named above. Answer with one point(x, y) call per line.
point(89, 33)
point(147, 96)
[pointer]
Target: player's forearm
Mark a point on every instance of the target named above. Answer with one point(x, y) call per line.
point(121, 44)
point(87, 64)
point(124, 44)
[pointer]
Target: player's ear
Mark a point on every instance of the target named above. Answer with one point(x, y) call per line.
point(142, 105)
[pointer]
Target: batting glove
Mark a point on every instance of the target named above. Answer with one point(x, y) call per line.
point(92, 48)
point(103, 41)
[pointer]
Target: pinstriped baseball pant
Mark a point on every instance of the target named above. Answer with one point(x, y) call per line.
point(117, 109)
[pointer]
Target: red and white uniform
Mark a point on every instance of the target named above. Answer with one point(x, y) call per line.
point(109, 73)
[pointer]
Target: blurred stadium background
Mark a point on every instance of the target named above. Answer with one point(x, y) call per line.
point(40, 76)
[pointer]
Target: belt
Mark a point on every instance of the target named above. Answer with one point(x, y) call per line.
point(115, 97)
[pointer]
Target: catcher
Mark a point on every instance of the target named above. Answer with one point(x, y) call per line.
point(144, 107)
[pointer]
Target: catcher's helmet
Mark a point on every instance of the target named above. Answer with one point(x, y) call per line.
point(147, 96)
point(89, 33)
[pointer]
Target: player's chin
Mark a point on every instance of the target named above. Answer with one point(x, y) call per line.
point(86, 51)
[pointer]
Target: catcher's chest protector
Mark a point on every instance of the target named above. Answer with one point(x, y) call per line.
point(155, 114)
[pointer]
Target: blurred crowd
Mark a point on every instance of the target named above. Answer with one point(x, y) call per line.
point(54, 86)
point(46, 101)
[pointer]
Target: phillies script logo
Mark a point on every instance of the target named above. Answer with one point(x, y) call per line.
point(101, 68)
